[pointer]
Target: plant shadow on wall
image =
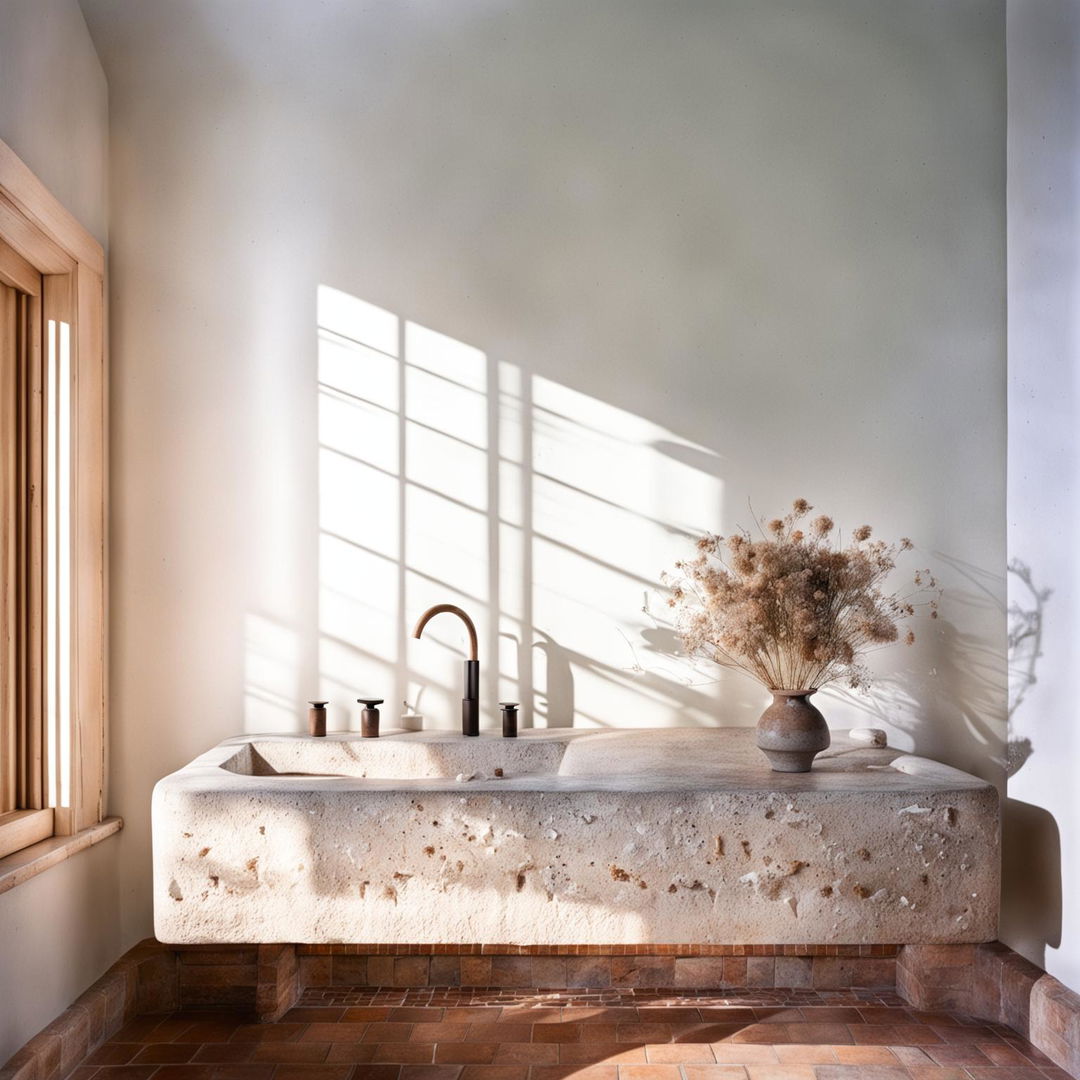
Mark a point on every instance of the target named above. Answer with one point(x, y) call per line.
point(954, 726)
point(1032, 910)
point(1026, 613)
point(947, 695)
point(446, 476)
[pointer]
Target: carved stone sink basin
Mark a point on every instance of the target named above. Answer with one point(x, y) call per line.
point(398, 756)
point(670, 836)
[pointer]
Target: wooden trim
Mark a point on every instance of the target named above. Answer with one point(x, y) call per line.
point(59, 267)
point(45, 211)
point(10, 491)
point(31, 861)
point(29, 242)
point(88, 551)
point(21, 828)
point(17, 272)
point(20, 742)
point(31, 599)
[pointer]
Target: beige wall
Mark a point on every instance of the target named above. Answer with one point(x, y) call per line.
point(706, 253)
point(62, 929)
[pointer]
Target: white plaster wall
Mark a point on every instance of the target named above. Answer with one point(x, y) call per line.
point(1042, 839)
point(54, 108)
point(62, 929)
point(661, 258)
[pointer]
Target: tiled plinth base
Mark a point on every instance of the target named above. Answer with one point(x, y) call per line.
point(270, 977)
point(700, 967)
point(947, 1012)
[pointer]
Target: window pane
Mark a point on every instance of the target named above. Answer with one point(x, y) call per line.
point(58, 562)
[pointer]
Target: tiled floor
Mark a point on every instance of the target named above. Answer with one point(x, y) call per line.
point(437, 1034)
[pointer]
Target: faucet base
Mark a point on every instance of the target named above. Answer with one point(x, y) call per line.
point(470, 717)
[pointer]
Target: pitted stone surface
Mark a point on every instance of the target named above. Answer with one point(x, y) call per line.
point(570, 837)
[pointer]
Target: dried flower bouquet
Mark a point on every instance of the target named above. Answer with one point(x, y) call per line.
point(794, 608)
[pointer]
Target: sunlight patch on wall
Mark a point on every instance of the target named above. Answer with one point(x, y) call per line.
point(548, 515)
point(608, 514)
point(359, 495)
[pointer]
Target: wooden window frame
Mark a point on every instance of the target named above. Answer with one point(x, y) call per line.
point(44, 239)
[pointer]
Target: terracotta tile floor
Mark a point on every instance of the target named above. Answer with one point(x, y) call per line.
point(449, 1034)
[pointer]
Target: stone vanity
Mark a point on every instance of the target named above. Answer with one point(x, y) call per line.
point(563, 836)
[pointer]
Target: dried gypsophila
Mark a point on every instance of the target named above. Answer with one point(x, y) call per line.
point(792, 609)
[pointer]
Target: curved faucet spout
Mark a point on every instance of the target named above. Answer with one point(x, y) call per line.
point(453, 609)
point(470, 704)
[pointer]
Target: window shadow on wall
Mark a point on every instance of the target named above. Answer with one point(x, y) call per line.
point(446, 475)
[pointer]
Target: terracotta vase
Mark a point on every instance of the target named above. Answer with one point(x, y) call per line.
point(791, 731)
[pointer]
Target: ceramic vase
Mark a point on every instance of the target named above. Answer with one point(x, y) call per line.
point(791, 731)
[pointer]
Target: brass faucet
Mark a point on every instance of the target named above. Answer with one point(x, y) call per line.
point(470, 703)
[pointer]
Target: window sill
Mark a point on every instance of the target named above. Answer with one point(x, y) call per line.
point(22, 865)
